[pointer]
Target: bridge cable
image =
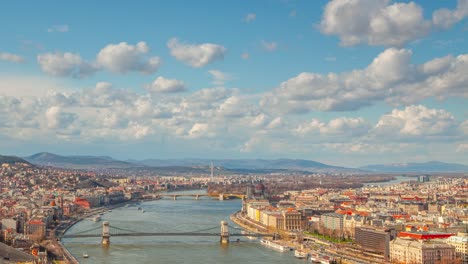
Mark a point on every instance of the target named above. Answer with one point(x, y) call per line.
point(122, 229)
point(86, 231)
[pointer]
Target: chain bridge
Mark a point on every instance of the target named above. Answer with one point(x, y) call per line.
point(106, 231)
point(220, 196)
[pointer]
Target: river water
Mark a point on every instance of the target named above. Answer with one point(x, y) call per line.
point(397, 180)
point(183, 215)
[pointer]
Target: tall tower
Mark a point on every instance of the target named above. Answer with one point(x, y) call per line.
point(224, 239)
point(212, 171)
point(105, 234)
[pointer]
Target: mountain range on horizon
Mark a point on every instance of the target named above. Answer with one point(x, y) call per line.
point(77, 161)
point(422, 167)
point(103, 162)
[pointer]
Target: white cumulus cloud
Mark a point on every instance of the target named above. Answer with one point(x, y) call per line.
point(65, 65)
point(390, 77)
point(336, 127)
point(118, 58)
point(58, 119)
point(417, 120)
point(219, 77)
point(445, 18)
point(163, 85)
point(5, 56)
point(374, 22)
point(200, 130)
point(196, 55)
point(124, 57)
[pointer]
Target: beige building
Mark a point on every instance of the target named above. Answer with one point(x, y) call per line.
point(413, 251)
point(292, 221)
point(460, 242)
point(275, 221)
point(411, 207)
point(350, 222)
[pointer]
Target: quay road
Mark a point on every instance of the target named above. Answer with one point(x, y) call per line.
point(248, 224)
point(344, 252)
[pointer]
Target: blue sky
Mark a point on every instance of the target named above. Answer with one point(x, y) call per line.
point(342, 82)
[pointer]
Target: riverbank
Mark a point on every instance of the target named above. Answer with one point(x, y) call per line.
point(247, 224)
point(254, 227)
point(312, 246)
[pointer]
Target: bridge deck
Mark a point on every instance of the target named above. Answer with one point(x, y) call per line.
point(163, 234)
point(182, 194)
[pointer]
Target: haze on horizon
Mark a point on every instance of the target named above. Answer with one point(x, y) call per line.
point(341, 82)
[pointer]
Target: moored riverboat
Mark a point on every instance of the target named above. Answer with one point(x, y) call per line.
point(274, 245)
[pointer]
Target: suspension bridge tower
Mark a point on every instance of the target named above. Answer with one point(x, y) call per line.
point(224, 233)
point(105, 234)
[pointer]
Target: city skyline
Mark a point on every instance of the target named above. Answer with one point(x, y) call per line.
point(340, 82)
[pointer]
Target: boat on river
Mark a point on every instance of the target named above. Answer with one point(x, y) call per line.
point(274, 245)
point(320, 258)
point(85, 255)
point(96, 218)
point(300, 254)
point(248, 237)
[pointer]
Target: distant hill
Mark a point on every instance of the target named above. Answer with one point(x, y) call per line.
point(11, 160)
point(247, 164)
point(425, 167)
point(77, 162)
point(185, 165)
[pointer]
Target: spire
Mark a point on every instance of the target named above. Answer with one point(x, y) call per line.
point(212, 171)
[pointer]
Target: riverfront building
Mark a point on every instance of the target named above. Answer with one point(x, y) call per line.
point(406, 250)
point(292, 220)
point(273, 218)
point(374, 240)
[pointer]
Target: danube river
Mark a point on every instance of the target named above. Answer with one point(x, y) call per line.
point(397, 180)
point(183, 215)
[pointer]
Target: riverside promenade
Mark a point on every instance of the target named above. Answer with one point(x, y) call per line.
point(248, 224)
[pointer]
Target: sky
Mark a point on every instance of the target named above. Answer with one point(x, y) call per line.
point(344, 82)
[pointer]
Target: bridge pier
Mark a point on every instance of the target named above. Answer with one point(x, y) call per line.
point(174, 197)
point(105, 234)
point(224, 238)
point(197, 197)
point(221, 196)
